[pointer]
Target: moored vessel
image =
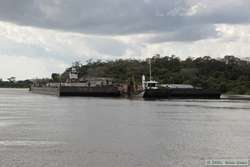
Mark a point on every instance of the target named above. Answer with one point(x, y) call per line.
point(154, 90)
point(86, 86)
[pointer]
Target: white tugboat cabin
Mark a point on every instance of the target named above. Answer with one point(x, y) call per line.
point(149, 84)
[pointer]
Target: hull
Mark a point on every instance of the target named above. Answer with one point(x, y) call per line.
point(45, 90)
point(105, 91)
point(181, 93)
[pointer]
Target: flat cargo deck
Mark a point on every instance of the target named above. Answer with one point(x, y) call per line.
point(104, 91)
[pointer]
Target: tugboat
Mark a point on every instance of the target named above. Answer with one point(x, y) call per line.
point(153, 90)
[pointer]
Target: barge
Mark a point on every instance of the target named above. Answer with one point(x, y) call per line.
point(105, 91)
point(154, 90)
point(92, 87)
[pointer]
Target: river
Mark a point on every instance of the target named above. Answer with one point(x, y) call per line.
point(40, 130)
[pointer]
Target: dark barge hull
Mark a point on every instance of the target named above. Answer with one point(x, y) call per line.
point(104, 91)
point(181, 93)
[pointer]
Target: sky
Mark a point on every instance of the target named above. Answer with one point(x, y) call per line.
point(39, 37)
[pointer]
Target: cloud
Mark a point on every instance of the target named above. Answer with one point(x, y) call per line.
point(120, 17)
point(55, 50)
point(23, 67)
point(56, 44)
point(185, 34)
point(53, 33)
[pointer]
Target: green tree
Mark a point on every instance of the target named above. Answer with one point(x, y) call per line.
point(55, 77)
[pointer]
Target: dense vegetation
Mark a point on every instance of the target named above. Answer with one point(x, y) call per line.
point(16, 84)
point(229, 74)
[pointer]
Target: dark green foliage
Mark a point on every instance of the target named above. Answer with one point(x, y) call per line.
point(17, 84)
point(55, 77)
point(229, 75)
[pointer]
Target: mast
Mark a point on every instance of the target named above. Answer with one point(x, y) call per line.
point(150, 70)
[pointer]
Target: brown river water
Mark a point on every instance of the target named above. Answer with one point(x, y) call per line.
point(48, 131)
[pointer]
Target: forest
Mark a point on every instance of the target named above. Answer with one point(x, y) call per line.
point(229, 74)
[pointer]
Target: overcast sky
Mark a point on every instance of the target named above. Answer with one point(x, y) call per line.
point(38, 37)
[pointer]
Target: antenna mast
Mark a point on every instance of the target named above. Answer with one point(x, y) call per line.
point(150, 70)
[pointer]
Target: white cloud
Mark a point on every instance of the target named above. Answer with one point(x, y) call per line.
point(27, 67)
point(28, 52)
point(51, 34)
point(196, 9)
point(48, 51)
point(233, 40)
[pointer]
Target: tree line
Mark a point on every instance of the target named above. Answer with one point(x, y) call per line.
point(229, 74)
point(15, 84)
